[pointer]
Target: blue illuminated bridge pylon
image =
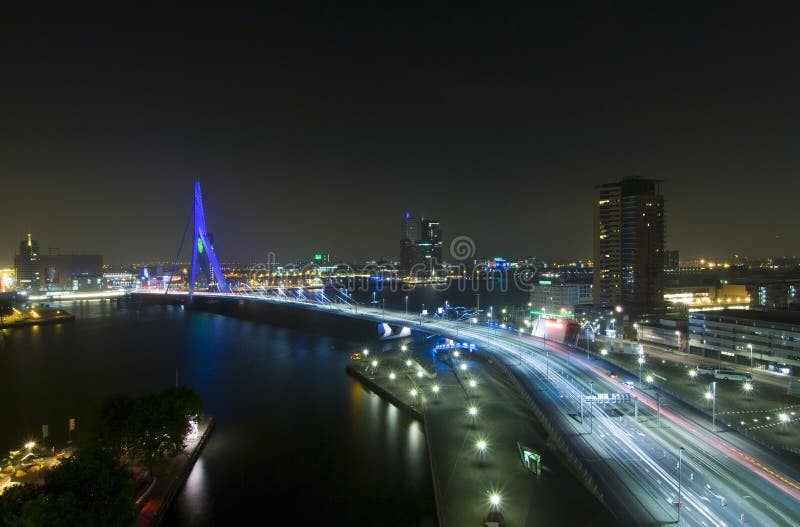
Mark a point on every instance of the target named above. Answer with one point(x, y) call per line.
point(201, 247)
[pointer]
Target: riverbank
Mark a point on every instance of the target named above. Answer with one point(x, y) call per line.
point(35, 317)
point(170, 478)
point(475, 422)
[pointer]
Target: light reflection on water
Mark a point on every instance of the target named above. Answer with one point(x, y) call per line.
point(289, 418)
point(196, 491)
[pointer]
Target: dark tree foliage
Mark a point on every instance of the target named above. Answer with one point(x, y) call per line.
point(147, 429)
point(90, 488)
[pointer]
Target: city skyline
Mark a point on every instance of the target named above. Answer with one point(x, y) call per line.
point(497, 124)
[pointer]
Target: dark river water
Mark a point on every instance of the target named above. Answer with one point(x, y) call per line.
point(297, 441)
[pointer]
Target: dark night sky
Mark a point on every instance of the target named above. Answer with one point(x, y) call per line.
point(317, 129)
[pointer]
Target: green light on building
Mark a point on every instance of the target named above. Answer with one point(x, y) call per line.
point(318, 256)
point(199, 245)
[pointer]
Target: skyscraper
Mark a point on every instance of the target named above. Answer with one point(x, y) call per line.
point(429, 248)
point(409, 237)
point(28, 265)
point(629, 237)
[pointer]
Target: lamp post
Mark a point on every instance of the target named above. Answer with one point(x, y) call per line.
point(680, 466)
point(547, 354)
point(530, 315)
point(591, 404)
point(640, 361)
point(714, 408)
point(713, 396)
point(750, 347)
point(406, 305)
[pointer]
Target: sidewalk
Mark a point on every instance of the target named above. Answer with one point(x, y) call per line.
point(170, 477)
point(464, 477)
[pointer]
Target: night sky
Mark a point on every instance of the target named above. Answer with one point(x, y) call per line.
point(317, 129)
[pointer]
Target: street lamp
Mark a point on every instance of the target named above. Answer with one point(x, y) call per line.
point(472, 411)
point(750, 346)
point(463, 367)
point(481, 446)
point(530, 314)
point(406, 304)
point(680, 463)
point(692, 373)
point(494, 500)
point(712, 395)
point(640, 361)
point(473, 383)
point(435, 388)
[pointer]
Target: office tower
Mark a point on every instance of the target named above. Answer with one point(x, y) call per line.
point(28, 265)
point(429, 248)
point(409, 237)
point(629, 239)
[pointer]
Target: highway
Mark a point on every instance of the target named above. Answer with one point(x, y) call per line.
point(724, 479)
point(723, 475)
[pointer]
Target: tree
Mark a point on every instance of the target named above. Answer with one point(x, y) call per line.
point(147, 429)
point(90, 488)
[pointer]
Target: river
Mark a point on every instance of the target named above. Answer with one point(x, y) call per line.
point(297, 441)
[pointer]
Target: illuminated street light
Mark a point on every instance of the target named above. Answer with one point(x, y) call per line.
point(419, 374)
point(30, 444)
point(473, 411)
point(463, 367)
point(692, 373)
point(748, 387)
point(603, 352)
point(784, 418)
point(366, 352)
point(649, 379)
point(403, 348)
point(456, 354)
point(472, 383)
point(640, 361)
point(435, 388)
point(408, 362)
point(494, 499)
point(481, 445)
point(392, 376)
point(712, 395)
point(413, 392)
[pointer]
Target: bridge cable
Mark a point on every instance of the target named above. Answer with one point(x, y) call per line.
point(178, 255)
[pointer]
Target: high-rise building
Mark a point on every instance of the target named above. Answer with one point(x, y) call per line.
point(28, 265)
point(429, 248)
point(409, 237)
point(629, 238)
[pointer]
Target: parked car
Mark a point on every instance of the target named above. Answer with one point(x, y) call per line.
point(629, 385)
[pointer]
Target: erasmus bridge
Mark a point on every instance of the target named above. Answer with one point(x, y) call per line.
point(654, 459)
